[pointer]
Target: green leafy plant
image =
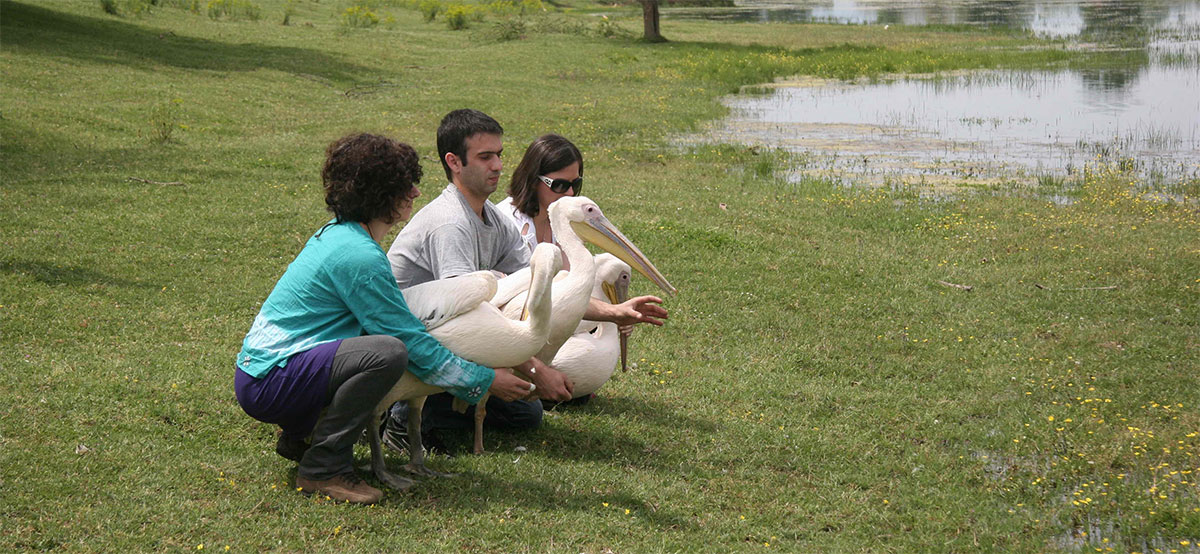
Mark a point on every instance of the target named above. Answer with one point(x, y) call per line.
point(359, 17)
point(532, 6)
point(512, 28)
point(127, 7)
point(234, 9)
point(289, 9)
point(458, 15)
point(430, 9)
point(608, 28)
point(164, 119)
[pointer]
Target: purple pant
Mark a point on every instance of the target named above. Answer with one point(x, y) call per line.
point(291, 396)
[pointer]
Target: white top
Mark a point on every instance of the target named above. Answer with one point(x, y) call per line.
point(523, 222)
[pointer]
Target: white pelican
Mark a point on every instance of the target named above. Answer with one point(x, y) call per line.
point(457, 313)
point(590, 355)
point(573, 220)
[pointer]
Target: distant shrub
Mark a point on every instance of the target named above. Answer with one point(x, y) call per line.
point(513, 28)
point(430, 9)
point(463, 13)
point(289, 9)
point(164, 119)
point(234, 9)
point(503, 7)
point(546, 25)
point(608, 28)
point(531, 6)
point(127, 7)
point(359, 17)
point(457, 15)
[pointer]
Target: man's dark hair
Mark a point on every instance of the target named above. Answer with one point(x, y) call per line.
point(456, 128)
point(365, 176)
point(547, 154)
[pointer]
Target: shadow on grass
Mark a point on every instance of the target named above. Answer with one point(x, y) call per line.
point(528, 490)
point(610, 442)
point(54, 275)
point(28, 28)
point(646, 411)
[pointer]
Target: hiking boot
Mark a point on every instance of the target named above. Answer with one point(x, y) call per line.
point(292, 449)
point(348, 487)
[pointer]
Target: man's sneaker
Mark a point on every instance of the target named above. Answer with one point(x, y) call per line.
point(431, 442)
point(348, 487)
point(396, 439)
point(292, 449)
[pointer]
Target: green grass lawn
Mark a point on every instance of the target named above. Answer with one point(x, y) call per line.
point(816, 388)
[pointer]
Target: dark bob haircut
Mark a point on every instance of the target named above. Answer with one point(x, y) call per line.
point(365, 176)
point(547, 154)
point(456, 128)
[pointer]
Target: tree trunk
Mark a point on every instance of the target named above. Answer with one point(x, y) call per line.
point(650, 21)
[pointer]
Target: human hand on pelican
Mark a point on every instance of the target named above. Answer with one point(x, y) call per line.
point(550, 383)
point(509, 387)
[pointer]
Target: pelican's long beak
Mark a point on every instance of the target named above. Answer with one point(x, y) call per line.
point(617, 294)
point(599, 231)
point(624, 339)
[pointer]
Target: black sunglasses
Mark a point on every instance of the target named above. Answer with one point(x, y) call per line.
point(560, 186)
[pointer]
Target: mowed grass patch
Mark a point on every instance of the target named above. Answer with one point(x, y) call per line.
point(815, 389)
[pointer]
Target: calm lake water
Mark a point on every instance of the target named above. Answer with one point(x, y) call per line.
point(997, 126)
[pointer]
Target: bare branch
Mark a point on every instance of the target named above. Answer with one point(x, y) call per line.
point(148, 181)
point(967, 288)
point(1043, 287)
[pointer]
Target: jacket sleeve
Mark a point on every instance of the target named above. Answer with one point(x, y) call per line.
point(371, 294)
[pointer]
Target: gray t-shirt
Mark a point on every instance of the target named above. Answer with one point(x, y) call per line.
point(445, 238)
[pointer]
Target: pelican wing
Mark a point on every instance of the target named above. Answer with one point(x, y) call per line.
point(437, 302)
point(510, 286)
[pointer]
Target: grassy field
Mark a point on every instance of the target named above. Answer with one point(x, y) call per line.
point(816, 389)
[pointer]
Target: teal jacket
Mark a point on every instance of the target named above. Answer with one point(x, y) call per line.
point(341, 286)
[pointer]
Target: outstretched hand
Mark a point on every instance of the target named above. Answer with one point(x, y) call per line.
point(641, 309)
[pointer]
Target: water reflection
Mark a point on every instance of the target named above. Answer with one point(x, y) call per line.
point(981, 127)
point(996, 126)
point(1056, 18)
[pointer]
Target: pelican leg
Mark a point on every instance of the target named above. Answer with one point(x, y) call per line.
point(480, 414)
point(378, 467)
point(416, 450)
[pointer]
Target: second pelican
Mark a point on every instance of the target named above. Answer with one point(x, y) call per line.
point(589, 356)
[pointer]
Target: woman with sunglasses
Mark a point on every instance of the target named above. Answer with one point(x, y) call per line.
point(551, 169)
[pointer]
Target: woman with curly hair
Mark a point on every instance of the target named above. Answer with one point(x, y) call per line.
point(335, 333)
